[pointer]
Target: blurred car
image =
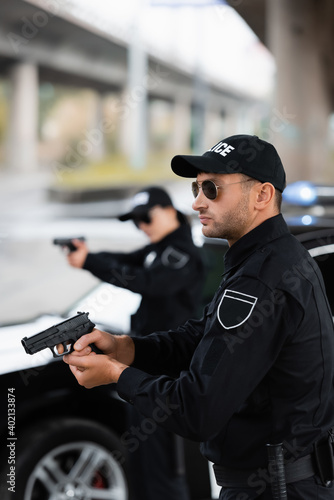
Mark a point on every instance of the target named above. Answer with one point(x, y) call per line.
point(69, 442)
point(308, 206)
point(64, 441)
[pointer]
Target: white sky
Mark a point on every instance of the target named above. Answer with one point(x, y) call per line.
point(213, 38)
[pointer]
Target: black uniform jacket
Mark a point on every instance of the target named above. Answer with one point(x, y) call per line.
point(169, 275)
point(258, 367)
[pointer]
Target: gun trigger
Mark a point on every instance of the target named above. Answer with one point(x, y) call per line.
point(55, 353)
point(67, 350)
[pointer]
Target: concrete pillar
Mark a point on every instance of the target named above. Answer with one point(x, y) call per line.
point(214, 130)
point(137, 93)
point(22, 146)
point(133, 137)
point(233, 121)
point(133, 111)
point(301, 107)
point(95, 134)
point(181, 124)
point(199, 113)
point(132, 118)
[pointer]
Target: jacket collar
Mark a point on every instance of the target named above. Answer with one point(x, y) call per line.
point(181, 233)
point(269, 230)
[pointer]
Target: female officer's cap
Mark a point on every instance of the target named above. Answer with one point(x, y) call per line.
point(144, 200)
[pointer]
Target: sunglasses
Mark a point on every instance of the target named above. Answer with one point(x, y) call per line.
point(144, 218)
point(210, 189)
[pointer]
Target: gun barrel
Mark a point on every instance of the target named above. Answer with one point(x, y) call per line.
point(68, 242)
point(39, 341)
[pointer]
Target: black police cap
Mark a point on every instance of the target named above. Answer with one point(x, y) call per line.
point(146, 199)
point(246, 154)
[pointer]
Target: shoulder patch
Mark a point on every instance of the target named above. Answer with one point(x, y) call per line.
point(235, 308)
point(174, 258)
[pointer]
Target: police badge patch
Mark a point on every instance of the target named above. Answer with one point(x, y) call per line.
point(174, 258)
point(235, 308)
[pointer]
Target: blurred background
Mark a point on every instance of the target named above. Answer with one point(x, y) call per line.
point(96, 98)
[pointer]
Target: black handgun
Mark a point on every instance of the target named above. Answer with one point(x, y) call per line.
point(68, 242)
point(65, 333)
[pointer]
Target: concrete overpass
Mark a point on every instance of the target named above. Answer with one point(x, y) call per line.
point(300, 34)
point(46, 44)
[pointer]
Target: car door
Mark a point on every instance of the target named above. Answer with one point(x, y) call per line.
point(320, 245)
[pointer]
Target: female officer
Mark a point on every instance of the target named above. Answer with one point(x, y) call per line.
point(168, 273)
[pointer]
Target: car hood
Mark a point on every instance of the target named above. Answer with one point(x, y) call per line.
point(12, 354)
point(109, 307)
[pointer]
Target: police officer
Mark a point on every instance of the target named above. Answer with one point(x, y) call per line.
point(168, 273)
point(258, 367)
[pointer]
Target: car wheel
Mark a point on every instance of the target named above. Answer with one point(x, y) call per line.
point(69, 458)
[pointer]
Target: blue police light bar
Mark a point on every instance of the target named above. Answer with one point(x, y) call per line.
point(300, 193)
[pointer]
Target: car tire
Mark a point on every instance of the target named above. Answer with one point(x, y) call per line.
point(67, 458)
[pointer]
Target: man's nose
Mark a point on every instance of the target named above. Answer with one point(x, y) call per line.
point(200, 201)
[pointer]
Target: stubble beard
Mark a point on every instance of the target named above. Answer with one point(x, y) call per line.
point(231, 225)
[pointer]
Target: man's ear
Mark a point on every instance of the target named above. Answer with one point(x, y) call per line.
point(265, 195)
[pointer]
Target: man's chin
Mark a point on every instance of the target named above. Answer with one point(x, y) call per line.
point(211, 232)
point(206, 231)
